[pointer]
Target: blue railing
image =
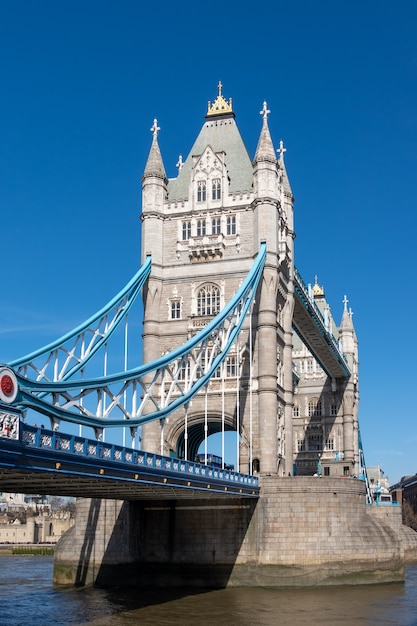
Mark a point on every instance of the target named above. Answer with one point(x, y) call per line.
point(41, 438)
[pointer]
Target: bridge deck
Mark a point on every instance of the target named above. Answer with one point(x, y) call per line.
point(47, 462)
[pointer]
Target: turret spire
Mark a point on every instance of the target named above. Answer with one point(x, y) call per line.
point(154, 164)
point(285, 182)
point(265, 149)
point(346, 323)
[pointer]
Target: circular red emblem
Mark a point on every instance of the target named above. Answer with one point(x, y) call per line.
point(7, 385)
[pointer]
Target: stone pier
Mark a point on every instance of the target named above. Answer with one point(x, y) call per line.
point(303, 531)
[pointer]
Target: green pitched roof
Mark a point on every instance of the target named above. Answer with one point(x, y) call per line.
point(222, 135)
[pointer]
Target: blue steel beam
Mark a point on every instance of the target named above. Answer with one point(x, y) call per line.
point(66, 356)
point(153, 390)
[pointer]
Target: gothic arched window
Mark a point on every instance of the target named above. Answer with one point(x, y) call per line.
point(231, 366)
point(216, 226)
point(186, 231)
point(201, 191)
point(201, 228)
point(231, 225)
point(175, 309)
point(208, 300)
point(314, 407)
point(216, 189)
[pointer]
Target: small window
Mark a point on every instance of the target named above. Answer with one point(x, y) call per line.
point(330, 443)
point(301, 446)
point(346, 470)
point(216, 189)
point(201, 228)
point(216, 226)
point(315, 442)
point(201, 191)
point(186, 231)
point(205, 366)
point(231, 225)
point(310, 365)
point(333, 409)
point(231, 367)
point(326, 471)
point(175, 310)
point(314, 408)
point(296, 410)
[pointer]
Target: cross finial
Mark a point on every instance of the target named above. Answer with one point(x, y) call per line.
point(155, 128)
point(180, 163)
point(265, 111)
point(219, 86)
point(345, 301)
point(281, 150)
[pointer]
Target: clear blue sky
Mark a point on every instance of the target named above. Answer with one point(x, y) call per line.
point(81, 82)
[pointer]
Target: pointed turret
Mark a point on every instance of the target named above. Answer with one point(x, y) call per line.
point(267, 190)
point(349, 344)
point(265, 150)
point(285, 181)
point(154, 164)
point(154, 192)
point(347, 335)
point(346, 325)
point(265, 164)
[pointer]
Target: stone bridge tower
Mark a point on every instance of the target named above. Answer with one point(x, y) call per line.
point(204, 229)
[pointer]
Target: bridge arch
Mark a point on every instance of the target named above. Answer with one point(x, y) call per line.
point(195, 428)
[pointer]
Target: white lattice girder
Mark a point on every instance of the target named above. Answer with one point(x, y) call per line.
point(153, 390)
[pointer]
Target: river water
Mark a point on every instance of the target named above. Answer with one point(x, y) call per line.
point(28, 597)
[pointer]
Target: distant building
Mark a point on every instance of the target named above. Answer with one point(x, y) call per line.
point(405, 491)
point(29, 519)
point(43, 528)
point(12, 500)
point(379, 485)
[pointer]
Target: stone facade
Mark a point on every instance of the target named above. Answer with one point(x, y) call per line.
point(203, 230)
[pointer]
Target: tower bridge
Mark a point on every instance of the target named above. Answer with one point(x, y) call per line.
point(233, 340)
